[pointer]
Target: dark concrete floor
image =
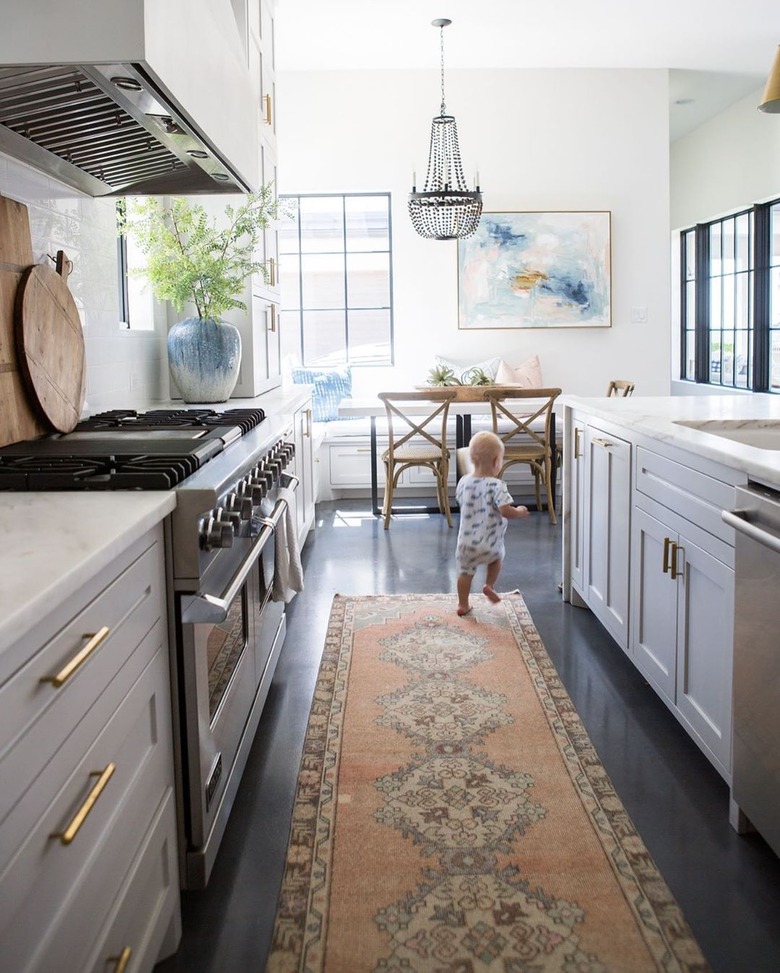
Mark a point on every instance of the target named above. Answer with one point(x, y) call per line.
point(728, 885)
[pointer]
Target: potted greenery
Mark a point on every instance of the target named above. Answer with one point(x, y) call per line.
point(194, 259)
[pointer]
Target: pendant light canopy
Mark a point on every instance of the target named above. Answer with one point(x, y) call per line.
point(446, 209)
point(770, 100)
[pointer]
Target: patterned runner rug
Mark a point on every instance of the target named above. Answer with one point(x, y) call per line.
point(452, 815)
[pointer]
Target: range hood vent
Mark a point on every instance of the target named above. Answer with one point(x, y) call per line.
point(131, 97)
point(64, 120)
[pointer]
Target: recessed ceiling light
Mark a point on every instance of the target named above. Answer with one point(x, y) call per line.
point(221, 176)
point(197, 153)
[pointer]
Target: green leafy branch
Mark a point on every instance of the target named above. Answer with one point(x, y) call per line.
point(190, 258)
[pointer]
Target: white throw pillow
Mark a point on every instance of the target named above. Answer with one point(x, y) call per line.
point(489, 366)
point(528, 375)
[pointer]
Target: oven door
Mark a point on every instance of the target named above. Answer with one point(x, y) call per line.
point(228, 651)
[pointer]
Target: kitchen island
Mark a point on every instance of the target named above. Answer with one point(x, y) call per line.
point(644, 543)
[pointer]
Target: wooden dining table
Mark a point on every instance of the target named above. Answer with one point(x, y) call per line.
point(469, 402)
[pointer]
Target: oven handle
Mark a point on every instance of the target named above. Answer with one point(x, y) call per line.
point(737, 520)
point(214, 608)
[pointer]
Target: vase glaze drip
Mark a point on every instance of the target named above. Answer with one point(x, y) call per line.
point(204, 357)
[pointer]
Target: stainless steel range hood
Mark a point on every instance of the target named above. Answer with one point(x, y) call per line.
point(130, 97)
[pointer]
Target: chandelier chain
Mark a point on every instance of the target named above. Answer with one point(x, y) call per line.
point(441, 46)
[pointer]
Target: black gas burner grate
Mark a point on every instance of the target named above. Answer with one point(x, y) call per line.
point(139, 472)
point(127, 420)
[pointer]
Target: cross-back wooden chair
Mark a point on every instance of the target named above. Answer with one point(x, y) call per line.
point(417, 440)
point(620, 387)
point(527, 438)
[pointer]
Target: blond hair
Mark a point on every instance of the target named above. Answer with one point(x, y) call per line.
point(484, 448)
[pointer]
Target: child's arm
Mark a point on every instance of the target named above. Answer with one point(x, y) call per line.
point(513, 513)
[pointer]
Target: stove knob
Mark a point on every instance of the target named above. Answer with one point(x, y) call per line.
point(248, 490)
point(275, 466)
point(265, 474)
point(256, 483)
point(224, 516)
point(216, 534)
point(241, 505)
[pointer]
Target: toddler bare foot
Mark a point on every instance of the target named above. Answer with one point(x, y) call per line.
point(464, 610)
point(491, 595)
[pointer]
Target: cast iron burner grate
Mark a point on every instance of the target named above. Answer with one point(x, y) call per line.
point(129, 420)
point(94, 473)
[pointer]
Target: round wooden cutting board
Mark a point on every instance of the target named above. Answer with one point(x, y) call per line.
point(50, 346)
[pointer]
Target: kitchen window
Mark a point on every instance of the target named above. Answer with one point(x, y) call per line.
point(136, 302)
point(730, 300)
point(335, 262)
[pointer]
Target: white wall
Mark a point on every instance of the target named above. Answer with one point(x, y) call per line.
point(541, 140)
point(122, 365)
point(724, 165)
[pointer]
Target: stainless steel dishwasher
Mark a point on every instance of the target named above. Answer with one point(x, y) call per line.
point(755, 786)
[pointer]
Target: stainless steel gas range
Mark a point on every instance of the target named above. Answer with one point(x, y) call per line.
point(231, 472)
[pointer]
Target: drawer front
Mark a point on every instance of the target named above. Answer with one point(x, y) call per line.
point(55, 897)
point(695, 496)
point(148, 902)
point(350, 466)
point(129, 608)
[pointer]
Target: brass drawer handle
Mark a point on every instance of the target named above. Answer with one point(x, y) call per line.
point(667, 544)
point(271, 272)
point(104, 776)
point(577, 453)
point(308, 423)
point(79, 658)
point(268, 112)
point(272, 308)
point(604, 443)
point(676, 548)
point(120, 962)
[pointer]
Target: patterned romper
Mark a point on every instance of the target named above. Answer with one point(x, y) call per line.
point(482, 528)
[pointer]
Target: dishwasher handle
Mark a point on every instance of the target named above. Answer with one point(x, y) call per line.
point(738, 520)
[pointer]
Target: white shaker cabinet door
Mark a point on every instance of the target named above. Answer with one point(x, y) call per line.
point(607, 518)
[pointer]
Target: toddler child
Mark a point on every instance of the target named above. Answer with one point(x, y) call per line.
point(485, 506)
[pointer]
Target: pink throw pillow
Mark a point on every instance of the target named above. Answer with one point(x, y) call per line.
point(528, 375)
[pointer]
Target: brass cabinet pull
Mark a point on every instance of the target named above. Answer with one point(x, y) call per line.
point(104, 776)
point(667, 544)
point(79, 658)
point(308, 423)
point(273, 317)
point(268, 112)
point(676, 548)
point(604, 443)
point(577, 453)
point(120, 962)
point(271, 272)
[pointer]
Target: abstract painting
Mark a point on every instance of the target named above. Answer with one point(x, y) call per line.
point(535, 270)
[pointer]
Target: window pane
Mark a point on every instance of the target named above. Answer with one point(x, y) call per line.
point(323, 280)
point(774, 258)
point(715, 360)
point(322, 224)
point(370, 335)
point(690, 355)
point(324, 341)
point(774, 379)
point(774, 299)
point(289, 280)
point(288, 228)
point(690, 255)
point(728, 302)
point(368, 223)
point(715, 261)
point(741, 359)
point(368, 280)
point(690, 305)
point(727, 247)
point(743, 241)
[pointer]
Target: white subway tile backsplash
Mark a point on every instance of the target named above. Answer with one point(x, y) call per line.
point(122, 366)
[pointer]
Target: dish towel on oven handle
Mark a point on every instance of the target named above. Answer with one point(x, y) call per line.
point(288, 572)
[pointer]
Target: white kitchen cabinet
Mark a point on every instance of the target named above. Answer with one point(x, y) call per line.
point(88, 848)
point(577, 505)
point(683, 598)
point(606, 511)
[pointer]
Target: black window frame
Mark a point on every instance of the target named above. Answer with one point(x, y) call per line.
point(759, 370)
point(290, 201)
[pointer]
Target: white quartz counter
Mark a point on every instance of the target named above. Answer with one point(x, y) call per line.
point(658, 417)
point(54, 543)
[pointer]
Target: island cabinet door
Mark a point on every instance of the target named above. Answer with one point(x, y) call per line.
point(607, 518)
point(654, 603)
point(705, 636)
point(576, 461)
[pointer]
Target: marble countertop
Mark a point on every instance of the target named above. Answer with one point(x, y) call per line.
point(54, 543)
point(658, 417)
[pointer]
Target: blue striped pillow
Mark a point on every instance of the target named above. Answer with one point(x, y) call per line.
point(330, 387)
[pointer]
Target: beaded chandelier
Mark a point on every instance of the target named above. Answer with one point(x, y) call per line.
point(446, 209)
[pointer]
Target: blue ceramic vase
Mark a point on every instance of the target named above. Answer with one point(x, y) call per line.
point(204, 357)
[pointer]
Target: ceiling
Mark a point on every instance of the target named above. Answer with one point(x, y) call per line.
point(718, 51)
